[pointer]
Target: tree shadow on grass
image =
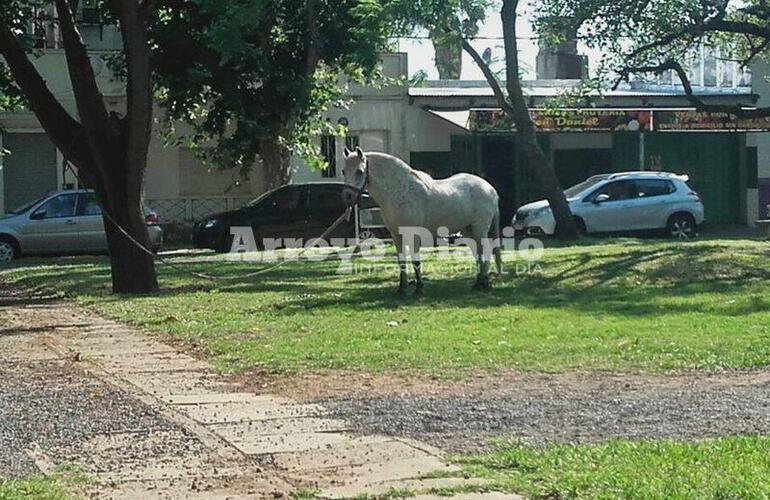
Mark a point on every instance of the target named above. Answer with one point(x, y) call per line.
point(638, 281)
point(583, 284)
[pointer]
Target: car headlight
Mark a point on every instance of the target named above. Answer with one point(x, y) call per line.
point(210, 223)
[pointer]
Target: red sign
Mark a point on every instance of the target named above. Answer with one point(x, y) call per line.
point(566, 120)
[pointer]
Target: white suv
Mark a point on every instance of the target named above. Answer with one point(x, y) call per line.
point(626, 201)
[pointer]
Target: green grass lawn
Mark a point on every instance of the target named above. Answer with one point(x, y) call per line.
point(638, 305)
point(39, 488)
point(725, 468)
point(51, 487)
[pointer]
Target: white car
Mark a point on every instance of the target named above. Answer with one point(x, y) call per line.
point(62, 222)
point(622, 202)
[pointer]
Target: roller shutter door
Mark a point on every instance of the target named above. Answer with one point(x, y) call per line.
point(713, 162)
point(29, 171)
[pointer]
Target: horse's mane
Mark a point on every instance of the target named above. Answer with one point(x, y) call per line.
point(423, 177)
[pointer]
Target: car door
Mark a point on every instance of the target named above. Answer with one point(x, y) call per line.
point(325, 205)
point(90, 223)
point(609, 212)
point(283, 214)
point(649, 210)
point(52, 226)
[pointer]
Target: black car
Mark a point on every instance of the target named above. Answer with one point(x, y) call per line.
point(302, 211)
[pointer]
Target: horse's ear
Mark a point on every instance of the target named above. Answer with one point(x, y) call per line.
point(346, 152)
point(360, 152)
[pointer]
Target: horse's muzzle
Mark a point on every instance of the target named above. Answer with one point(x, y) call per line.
point(349, 196)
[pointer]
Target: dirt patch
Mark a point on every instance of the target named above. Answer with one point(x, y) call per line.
point(337, 384)
point(540, 409)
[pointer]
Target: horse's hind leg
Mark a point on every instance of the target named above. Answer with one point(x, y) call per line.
point(416, 264)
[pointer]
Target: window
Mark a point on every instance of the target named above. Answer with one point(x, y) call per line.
point(352, 142)
point(326, 200)
point(329, 152)
point(42, 28)
point(586, 184)
point(60, 206)
point(653, 187)
point(618, 190)
point(87, 205)
point(289, 199)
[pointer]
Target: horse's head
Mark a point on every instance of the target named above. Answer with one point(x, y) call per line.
point(355, 173)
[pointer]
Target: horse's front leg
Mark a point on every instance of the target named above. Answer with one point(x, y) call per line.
point(482, 263)
point(403, 282)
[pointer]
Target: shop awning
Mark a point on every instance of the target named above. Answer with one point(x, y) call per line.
point(606, 120)
point(457, 118)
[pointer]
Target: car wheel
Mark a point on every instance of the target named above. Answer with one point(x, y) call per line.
point(8, 250)
point(681, 227)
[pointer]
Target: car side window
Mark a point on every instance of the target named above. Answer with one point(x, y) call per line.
point(326, 199)
point(87, 205)
point(58, 207)
point(289, 199)
point(617, 191)
point(653, 187)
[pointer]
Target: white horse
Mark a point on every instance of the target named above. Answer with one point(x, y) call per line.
point(409, 198)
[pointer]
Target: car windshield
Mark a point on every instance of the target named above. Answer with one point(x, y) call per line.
point(255, 202)
point(586, 184)
point(27, 206)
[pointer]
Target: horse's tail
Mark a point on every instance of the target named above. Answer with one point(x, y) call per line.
point(494, 233)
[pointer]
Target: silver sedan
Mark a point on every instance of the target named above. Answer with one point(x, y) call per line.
point(63, 222)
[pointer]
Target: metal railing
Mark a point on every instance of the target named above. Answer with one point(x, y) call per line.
point(191, 210)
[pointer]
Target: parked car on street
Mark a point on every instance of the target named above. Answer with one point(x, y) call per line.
point(296, 211)
point(622, 202)
point(62, 222)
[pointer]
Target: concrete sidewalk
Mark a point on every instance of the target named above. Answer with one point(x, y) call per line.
point(245, 445)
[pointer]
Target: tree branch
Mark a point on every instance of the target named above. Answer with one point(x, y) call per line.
point(696, 101)
point(138, 121)
point(311, 59)
point(739, 27)
point(491, 79)
point(149, 6)
point(65, 132)
point(87, 95)
point(520, 111)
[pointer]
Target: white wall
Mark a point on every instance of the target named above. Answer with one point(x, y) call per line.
point(385, 121)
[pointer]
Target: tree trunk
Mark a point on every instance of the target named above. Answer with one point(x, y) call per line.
point(515, 106)
point(276, 163)
point(133, 269)
point(525, 129)
point(549, 184)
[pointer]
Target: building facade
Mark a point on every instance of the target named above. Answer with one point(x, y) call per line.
point(435, 128)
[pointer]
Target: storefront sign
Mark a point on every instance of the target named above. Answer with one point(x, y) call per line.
point(686, 120)
point(617, 120)
point(566, 120)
